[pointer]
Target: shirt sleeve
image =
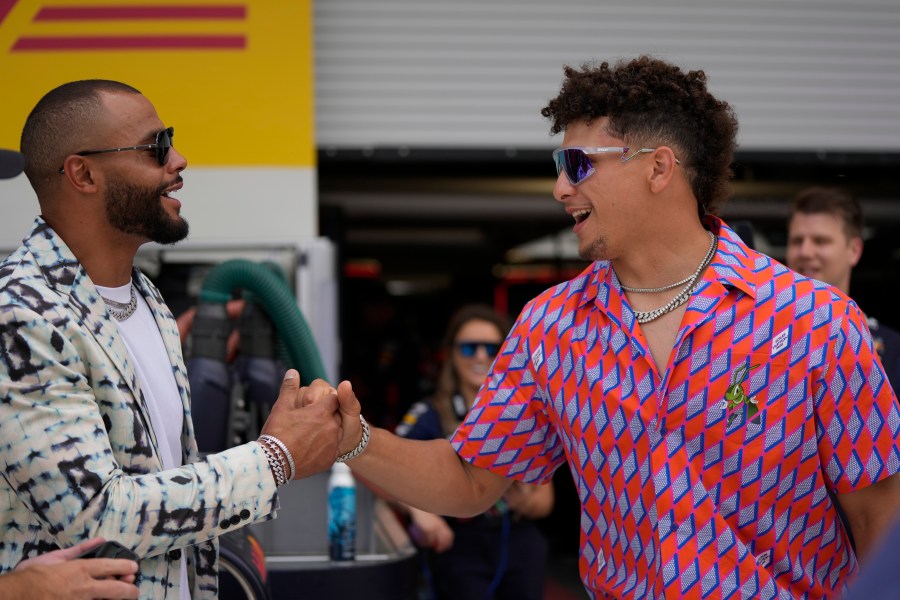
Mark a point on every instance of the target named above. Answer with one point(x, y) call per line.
point(858, 421)
point(509, 430)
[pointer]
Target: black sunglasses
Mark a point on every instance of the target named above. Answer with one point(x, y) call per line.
point(161, 146)
point(468, 349)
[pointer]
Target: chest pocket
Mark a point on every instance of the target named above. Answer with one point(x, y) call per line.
point(746, 400)
point(740, 453)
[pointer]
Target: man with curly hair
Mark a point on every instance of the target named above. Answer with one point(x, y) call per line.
point(712, 405)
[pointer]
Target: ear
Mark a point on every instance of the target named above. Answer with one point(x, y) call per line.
point(856, 248)
point(79, 174)
point(664, 166)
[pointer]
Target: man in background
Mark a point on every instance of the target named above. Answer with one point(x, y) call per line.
point(825, 242)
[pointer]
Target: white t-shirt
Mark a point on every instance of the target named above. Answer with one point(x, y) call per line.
point(151, 363)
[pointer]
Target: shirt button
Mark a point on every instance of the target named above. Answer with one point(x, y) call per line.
point(225, 524)
point(245, 514)
point(235, 519)
point(174, 554)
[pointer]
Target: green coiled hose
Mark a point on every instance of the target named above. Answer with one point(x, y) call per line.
point(271, 291)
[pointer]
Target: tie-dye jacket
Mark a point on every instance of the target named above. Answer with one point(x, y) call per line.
point(78, 454)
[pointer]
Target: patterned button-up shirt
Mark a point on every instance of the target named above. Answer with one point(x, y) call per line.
point(715, 476)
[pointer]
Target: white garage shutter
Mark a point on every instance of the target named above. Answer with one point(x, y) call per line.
point(803, 75)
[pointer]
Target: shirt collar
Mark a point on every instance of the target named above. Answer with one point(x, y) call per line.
point(735, 265)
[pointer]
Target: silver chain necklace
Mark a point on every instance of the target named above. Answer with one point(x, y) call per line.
point(121, 310)
point(685, 293)
point(671, 286)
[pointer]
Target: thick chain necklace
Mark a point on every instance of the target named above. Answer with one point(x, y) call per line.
point(685, 293)
point(121, 310)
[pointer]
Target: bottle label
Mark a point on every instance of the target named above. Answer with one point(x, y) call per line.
point(342, 523)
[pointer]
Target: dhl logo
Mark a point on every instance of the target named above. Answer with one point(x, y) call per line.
point(131, 13)
point(202, 62)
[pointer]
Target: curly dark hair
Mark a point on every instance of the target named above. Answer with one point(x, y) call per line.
point(650, 102)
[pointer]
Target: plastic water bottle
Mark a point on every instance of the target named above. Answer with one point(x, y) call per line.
point(341, 513)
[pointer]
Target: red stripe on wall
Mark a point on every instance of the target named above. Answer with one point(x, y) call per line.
point(91, 13)
point(132, 42)
point(5, 7)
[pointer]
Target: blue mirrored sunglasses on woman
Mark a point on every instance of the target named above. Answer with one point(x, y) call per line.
point(469, 349)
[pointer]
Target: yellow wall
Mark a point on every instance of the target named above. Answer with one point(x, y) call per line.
point(235, 79)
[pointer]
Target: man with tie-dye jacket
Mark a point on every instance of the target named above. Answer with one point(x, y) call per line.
point(712, 405)
point(97, 437)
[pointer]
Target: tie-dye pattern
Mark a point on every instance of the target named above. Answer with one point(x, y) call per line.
point(78, 454)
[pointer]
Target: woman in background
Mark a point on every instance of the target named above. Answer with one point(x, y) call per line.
point(500, 554)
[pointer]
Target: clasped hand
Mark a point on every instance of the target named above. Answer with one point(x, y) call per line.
point(316, 422)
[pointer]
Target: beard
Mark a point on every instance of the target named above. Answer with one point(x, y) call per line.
point(137, 210)
point(595, 250)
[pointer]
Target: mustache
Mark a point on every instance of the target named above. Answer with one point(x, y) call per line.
point(163, 187)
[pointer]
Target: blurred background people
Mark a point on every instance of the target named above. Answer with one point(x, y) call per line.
point(825, 242)
point(502, 553)
point(879, 578)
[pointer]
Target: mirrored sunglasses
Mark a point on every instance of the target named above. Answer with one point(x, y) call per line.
point(469, 349)
point(576, 163)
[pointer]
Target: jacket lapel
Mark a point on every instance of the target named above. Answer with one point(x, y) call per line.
point(66, 275)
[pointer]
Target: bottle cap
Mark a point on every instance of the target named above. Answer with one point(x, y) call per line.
point(340, 468)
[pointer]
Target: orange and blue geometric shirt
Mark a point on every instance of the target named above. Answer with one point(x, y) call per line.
point(715, 477)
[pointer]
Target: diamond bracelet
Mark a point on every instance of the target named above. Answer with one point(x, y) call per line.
point(274, 440)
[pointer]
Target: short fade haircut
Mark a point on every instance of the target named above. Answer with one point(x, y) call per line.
point(650, 102)
point(59, 123)
point(832, 201)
